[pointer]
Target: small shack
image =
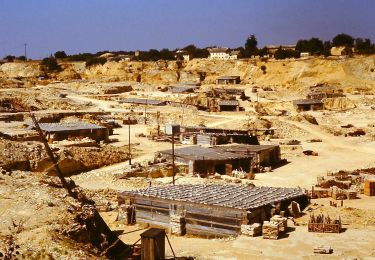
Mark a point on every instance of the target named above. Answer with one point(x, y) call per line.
point(263, 155)
point(205, 161)
point(228, 80)
point(140, 101)
point(208, 210)
point(63, 131)
point(308, 104)
point(230, 91)
point(228, 105)
point(180, 89)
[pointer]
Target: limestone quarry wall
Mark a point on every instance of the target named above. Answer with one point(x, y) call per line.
point(350, 73)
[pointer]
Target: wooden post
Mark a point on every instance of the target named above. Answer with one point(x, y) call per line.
point(157, 118)
point(153, 244)
point(130, 152)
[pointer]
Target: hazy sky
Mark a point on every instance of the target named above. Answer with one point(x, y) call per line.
point(93, 25)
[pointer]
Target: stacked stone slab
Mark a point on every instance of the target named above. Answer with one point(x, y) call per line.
point(177, 224)
point(126, 214)
point(252, 230)
point(270, 230)
point(281, 221)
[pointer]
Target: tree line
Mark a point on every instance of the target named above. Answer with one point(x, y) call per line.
point(314, 46)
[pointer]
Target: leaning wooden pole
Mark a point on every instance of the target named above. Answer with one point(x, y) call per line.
point(99, 234)
point(52, 157)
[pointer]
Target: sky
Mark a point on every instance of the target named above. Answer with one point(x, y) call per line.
point(78, 26)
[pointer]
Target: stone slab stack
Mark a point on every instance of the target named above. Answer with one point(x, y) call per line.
point(281, 221)
point(177, 224)
point(252, 230)
point(270, 230)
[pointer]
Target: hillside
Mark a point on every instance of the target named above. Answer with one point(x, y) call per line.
point(351, 73)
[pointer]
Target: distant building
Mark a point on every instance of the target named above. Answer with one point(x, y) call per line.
point(228, 80)
point(126, 57)
point(271, 49)
point(228, 105)
point(183, 55)
point(223, 54)
point(63, 131)
point(308, 104)
point(305, 54)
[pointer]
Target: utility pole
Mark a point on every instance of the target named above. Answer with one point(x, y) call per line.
point(25, 51)
point(173, 166)
point(146, 112)
point(158, 118)
point(130, 152)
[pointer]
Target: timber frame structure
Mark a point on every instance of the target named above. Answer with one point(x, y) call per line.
point(208, 210)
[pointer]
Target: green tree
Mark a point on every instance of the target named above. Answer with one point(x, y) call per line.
point(60, 55)
point(281, 54)
point(23, 58)
point(262, 52)
point(9, 58)
point(50, 64)
point(343, 39)
point(92, 61)
point(364, 46)
point(166, 54)
point(313, 45)
point(251, 46)
point(327, 48)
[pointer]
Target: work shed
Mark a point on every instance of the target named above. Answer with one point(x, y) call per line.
point(308, 104)
point(208, 160)
point(228, 105)
point(62, 131)
point(263, 155)
point(228, 80)
point(207, 210)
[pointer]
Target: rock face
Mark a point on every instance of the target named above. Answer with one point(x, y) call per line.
point(17, 156)
point(293, 74)
point(67, 164)
point(20, 69)
point(13, 156)
point(340, 103)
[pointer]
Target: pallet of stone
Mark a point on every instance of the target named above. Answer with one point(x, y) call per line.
point(252, 230)
point(281, 221)
point(323, 250)
point(324, 224)
point(270, 230)
point(351, 194)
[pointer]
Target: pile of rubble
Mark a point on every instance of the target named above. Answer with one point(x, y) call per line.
point(342, 184)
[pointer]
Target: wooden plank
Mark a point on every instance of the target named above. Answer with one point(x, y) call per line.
point(142, 207)
point(201, 230)
point(212, 224)
point(214, 218)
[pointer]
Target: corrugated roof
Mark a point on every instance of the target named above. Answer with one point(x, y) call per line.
point(244, 148)
point(243, 197)
point(143, 101)
point(228, 103)
point(228, 77)
point(182, 89)
point(307, 102)
point(203, 153)
point(217, 50)
point(68, 126)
